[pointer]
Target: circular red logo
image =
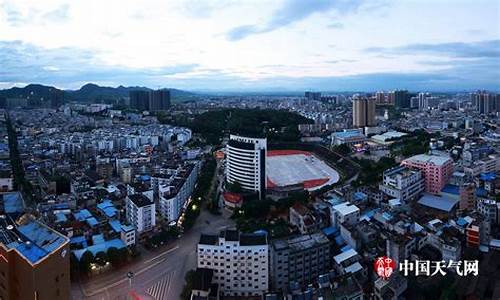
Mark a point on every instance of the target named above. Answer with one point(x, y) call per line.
point(384, 266)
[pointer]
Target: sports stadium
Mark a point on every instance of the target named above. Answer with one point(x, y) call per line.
point(295, 169)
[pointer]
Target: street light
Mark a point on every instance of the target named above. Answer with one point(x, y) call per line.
point(130, 275)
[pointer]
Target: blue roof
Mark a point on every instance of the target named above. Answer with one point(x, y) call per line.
point(462, 222)
point(127, 228)
point(330, 230)
point(360, 196)
point(61, 218)
point(481, 192)
point(145, 177)
point(339, 240)
point(387, 216)
point(13, 203)
point(451, 189)
point(92, 221)
point(43, 241)
point(82, 215)
point(102, 247)
point(369, 214)
point(97, 239)
point(441, 203)
point(345, 248)
point(108, 208)
point(347, 134)
point(490, 176)
point(116, 225)
point(79, 240)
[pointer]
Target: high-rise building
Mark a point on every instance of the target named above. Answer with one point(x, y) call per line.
point(313, 96)
point(423, 101)
point(159, 100)
point(380, 98)
point(436, 169)
point(485, 103)
point(139, 100)
point(140, 212)
point(34, 261)
point(240, 262)
point(363, 112)
point(246, 163)
point(400, 98)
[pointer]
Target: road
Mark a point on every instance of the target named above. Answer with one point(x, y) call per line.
point(158, 275)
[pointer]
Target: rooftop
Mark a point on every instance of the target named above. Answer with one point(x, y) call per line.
point(345, 255)
point(32, 239)
point(302, 242)
point(451, 189)
point(441, 203)
point(245, 239)
point(346, 208)
point(140, 200)
point(102, 246)
point(12, 202)
point(347, 134)
point(432, 159)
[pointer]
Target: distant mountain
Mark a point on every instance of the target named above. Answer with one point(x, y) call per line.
point(92, 91)
point(31, 91)
point(87, 93)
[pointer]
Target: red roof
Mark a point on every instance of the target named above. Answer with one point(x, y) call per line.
point(232, 197)
point(287, 152)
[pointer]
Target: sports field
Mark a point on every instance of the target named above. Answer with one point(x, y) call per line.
point(288, 167)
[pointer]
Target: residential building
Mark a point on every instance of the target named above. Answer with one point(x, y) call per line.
point(347, 262)
point(363, 112)
point(140, 212)
point(402, 183)
point(390, 289)
point(240, 262)
point(159, 100)
point(246, 163)
point(302, 218)
point(127, 234)
point(299, 260)
point(436, 170)
point(203, 288)
point(175, 189)
point(34, 261)
point(344, 213)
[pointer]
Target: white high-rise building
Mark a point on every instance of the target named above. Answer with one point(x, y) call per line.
point(240, 262)
point(140, 212)
point(246, 163)
point(175, 189)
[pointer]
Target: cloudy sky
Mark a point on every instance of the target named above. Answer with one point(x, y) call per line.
point(252, 45)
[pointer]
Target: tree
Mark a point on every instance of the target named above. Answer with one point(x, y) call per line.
point(114, 256)
point(188, 286)
point(234, 187)
point(85, 260)
point(101, 257)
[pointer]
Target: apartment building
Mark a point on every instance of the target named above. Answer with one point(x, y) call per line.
point(240, 262)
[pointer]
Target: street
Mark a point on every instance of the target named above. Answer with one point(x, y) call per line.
point(157, 275)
